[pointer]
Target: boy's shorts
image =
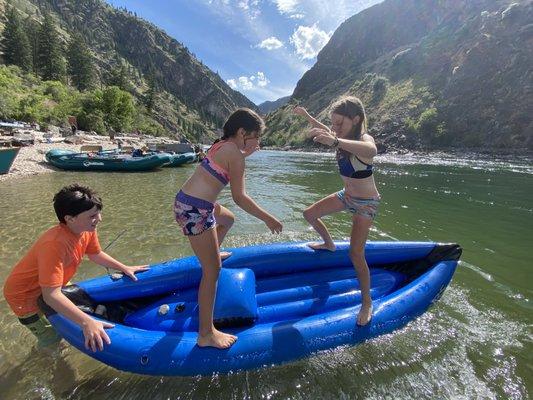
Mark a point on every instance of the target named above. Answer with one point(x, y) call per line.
point(40, 327)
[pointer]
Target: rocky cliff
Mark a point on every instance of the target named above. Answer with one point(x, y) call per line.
point(432, 74)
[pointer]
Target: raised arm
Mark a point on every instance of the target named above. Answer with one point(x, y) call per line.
point(364, 148)
point(241, 198)
point(313, 121)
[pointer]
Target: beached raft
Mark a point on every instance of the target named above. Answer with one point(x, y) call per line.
point(178, 159)
point(104, 161)
point(7, 157)
point(284, 301)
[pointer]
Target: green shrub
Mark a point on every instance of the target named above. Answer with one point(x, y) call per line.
point(380, 85)
point(429, 127)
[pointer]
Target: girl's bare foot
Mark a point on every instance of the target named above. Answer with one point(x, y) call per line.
point(365, 314)
point(322, 246)
point(217, 339)
point(225, 254)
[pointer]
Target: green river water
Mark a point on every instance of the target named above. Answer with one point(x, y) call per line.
point(476, 342)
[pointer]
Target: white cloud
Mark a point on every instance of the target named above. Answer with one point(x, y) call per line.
point(271, 43)
point(297, 16)
point(247, 83)
point(232, 84)
point(329, 13)
point(308, 41)
point(286, 6)
point(250, 7)
point(244, 5)
point(262, 80)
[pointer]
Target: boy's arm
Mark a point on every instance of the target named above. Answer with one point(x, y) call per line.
point(105, 260)
point(93, 330)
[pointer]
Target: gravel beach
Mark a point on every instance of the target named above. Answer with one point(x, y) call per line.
point(31, 161)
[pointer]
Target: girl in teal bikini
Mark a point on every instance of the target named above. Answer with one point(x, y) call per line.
point(355, 151)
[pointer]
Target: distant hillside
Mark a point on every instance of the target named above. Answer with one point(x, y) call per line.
point(269, 106)
point(432, 74)
point(189, 95)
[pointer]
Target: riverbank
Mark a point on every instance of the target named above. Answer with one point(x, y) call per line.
point(31, 161)
point(31, 157)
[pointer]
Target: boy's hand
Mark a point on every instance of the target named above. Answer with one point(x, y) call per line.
point(130, 271)
point(95, 334)
point(274, 225)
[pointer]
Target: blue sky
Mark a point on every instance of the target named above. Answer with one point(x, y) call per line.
point(259, 47)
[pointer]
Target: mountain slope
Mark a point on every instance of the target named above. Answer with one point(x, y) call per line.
point(187, 88)
point(432, 74)
point(269, 106)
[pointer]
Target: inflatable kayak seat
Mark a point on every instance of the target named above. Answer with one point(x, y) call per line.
point(235, 306)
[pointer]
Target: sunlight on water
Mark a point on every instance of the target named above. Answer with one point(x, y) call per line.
point(474, 343)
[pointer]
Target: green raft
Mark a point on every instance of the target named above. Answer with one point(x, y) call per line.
point(180, 158)
point(7, 156)
point(72, 161)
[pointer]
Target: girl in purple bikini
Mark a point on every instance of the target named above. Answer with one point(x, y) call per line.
point(206, 223)
point(355, 151)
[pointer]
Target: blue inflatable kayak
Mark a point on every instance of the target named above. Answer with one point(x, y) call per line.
point(284, 301)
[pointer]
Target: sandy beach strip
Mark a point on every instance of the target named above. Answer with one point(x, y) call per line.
point(31, 161)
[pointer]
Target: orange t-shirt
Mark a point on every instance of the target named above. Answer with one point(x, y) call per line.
point(52, 261)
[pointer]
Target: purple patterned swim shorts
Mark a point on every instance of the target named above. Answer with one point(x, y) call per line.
point(194, 215)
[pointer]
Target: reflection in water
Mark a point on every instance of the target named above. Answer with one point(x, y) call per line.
point(475, 343)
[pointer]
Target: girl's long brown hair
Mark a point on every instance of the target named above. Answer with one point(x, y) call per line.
point(351, 107)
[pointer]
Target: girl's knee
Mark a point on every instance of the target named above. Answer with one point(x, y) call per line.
point(231, 219)
point(309, 215)
point(212, 272)
point(226, 219)
point(357, 256)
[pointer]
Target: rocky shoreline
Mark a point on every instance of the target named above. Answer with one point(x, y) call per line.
point(31, 158)
point(31, 161)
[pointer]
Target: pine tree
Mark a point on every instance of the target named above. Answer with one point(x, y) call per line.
point(119, 77)
point(16, 46)
point(51, 64)
point(153, 87)
point(32, 28)
point(80, 63)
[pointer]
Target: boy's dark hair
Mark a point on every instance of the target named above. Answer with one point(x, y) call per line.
point(75, 199)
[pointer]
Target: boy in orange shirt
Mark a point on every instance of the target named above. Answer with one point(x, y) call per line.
point(53, 260)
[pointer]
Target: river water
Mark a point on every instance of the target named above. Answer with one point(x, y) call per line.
point(475, 343)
